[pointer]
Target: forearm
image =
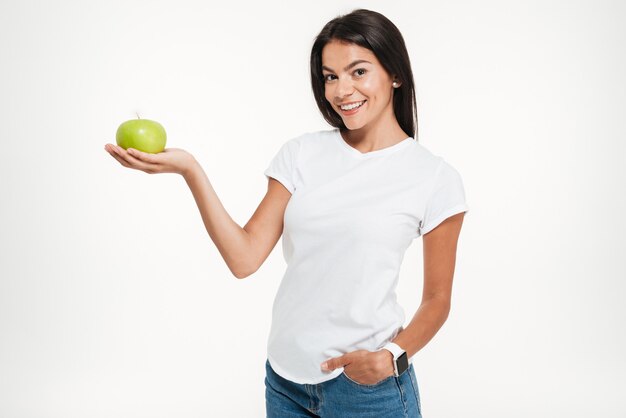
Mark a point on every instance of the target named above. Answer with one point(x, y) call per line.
point(428, 319)
point(231, 240)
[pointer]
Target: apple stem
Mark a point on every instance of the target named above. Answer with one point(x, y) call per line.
point(137, 115)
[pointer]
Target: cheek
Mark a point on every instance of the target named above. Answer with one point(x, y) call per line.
point(369, 84)
point(370, 88)
point(328, 94)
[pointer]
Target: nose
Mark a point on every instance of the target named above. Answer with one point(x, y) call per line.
point(343, 88)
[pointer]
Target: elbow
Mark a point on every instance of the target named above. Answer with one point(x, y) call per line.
point(445, 304)
point(243, 271)
point(441, 305)
point(445, 309)
point(239, 275)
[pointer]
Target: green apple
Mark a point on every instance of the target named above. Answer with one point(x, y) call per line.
point(142, 134)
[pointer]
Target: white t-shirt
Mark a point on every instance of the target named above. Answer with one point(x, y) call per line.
point(348, 223)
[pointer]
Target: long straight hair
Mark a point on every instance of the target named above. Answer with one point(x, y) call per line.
point(375, 32)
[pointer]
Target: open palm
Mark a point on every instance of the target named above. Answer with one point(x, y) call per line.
point(170, 160)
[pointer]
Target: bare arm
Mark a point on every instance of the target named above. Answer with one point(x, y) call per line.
point(265, 226)
point(231, 240)
point(439, 262)
point(243, 249)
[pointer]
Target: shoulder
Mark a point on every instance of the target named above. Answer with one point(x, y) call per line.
point(435, 163)
point(308, 137)
point(423, 162)
point(310, 142)
point(299, 147)
point(311, 137)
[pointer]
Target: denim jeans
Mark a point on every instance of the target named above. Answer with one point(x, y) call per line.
point(341, 397)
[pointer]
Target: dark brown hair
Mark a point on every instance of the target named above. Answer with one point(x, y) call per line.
point(375, 32)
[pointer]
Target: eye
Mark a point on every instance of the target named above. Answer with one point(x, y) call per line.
point(361, 69)
point(326, 77)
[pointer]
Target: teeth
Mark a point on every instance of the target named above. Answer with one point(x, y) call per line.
point(352, 106)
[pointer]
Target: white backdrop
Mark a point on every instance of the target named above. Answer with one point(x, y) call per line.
point(114, 302)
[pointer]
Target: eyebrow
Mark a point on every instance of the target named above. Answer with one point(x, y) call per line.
point(357, 62)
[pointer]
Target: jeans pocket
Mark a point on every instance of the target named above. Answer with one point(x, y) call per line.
point(364, 385)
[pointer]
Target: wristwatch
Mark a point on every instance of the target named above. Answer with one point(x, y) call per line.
point(400, 358)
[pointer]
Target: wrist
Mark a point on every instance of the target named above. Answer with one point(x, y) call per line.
point(400, 360)
point(386, 360)
point(189, 170)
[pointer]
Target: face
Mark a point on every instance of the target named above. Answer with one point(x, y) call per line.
point(354, 76)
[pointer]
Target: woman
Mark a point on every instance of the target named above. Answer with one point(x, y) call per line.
point(348, 202)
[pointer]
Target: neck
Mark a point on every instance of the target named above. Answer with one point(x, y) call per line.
point(377, 134)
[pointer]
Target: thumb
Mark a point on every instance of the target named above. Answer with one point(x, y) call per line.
point(333, 363)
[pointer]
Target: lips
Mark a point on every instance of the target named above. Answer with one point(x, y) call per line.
point(353, 111)
point(359, 102)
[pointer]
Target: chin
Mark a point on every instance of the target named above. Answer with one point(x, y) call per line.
point(353, 126)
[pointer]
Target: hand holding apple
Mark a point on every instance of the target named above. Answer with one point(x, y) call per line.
point(171, 160)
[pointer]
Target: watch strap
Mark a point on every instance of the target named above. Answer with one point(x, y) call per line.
point(400, 359)
point(394, 348)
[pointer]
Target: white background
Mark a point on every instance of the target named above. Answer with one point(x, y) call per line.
point(114, 302)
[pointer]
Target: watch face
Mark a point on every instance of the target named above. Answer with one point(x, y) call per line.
point(402, 363)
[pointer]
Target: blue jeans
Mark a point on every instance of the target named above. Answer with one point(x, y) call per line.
point(392, 397)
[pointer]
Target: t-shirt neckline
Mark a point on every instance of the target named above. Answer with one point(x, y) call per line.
point(383, 151)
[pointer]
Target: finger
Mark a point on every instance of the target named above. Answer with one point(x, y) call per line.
point(132, 161)
point(144, 156)
point(148, 167)
point(334, 363)
point(119, 159)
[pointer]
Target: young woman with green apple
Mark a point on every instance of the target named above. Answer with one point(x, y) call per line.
point(347, 202)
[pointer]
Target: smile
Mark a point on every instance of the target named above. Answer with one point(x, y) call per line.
point(352, 105)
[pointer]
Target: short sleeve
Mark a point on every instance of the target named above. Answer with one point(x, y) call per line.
point(282, 166)
point(447, 198)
